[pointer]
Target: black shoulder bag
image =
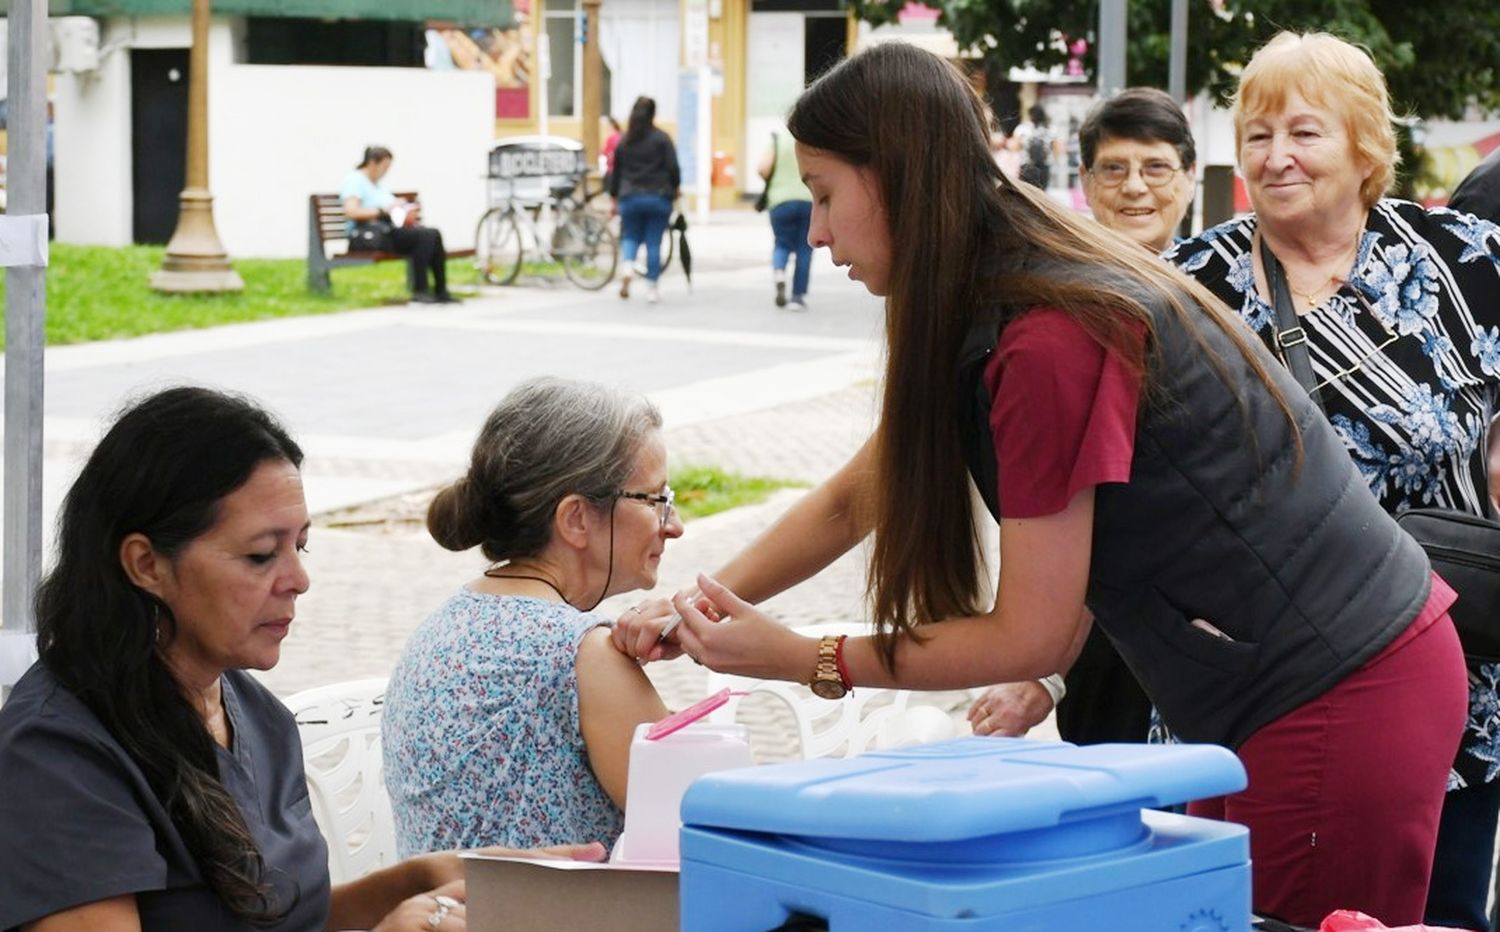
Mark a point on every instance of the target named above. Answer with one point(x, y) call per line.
point(373, 236)
point(1464, 549)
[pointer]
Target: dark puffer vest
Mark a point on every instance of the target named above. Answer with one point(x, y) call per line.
point(1301, 571)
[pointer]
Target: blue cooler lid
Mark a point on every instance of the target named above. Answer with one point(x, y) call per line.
point(974, 798)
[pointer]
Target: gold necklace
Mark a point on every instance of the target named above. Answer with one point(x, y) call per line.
point(1311, 297)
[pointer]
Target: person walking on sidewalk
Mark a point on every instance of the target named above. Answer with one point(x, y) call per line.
point(790, 206)
point(644, 184)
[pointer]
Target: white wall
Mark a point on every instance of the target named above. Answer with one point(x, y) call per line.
point(91, 133)
point(280, 133)
point(774, 65)
point(276, 135)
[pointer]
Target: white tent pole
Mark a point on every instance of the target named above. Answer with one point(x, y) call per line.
point(23, 250)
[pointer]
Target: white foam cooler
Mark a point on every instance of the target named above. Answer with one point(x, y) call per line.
point(992, 834)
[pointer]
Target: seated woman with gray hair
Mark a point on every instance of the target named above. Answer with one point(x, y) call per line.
point(510, 713)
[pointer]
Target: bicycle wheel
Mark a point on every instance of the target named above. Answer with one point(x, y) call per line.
point(666, 254)
point(498, 248)
point(587, 250)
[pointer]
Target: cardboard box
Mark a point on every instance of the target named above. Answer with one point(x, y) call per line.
point(524, 895)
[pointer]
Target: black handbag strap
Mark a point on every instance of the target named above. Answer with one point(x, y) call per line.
point(1291, 344)
point(1290, 339)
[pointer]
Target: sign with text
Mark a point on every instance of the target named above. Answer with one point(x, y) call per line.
point(537, 157)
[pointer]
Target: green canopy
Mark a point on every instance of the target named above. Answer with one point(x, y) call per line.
point(463, 12)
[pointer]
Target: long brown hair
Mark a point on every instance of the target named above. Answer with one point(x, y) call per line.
point(967, 245)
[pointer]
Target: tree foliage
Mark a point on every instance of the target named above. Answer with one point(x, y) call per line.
point(1439, 56)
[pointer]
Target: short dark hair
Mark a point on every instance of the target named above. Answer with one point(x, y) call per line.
point(1144, 114)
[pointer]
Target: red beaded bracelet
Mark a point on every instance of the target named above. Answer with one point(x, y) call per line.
point(838, 658)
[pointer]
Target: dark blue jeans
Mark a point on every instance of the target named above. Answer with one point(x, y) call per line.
point(789, 223)
point(1465, 849)
point(643, 219)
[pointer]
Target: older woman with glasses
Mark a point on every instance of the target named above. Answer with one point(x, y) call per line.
point(510, 714)
point(1392, 314)
point(1138, 159)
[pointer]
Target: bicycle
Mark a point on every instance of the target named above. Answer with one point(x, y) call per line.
point(578, 239)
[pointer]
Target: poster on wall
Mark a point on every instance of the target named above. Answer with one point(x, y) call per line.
point(687, 129)
point(502, 51)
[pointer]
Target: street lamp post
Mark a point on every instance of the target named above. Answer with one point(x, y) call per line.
point(195, 259)
point(1111, 47)
point(593, 77)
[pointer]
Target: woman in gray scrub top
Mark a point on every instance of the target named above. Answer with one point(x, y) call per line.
point(149, 782)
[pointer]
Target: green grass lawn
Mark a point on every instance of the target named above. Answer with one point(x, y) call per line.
point(104, 292)
point(706, 490)
point(701, 491)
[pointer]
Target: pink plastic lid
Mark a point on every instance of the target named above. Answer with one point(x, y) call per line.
point(681, 719)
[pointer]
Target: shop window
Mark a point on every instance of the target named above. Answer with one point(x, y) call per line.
point(277, 41)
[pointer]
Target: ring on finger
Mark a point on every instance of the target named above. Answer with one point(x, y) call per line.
point(445, 905)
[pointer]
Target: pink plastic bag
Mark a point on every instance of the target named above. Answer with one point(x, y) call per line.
point(1349, 920)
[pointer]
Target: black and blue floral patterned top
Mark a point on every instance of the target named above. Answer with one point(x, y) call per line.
point(1408, 354)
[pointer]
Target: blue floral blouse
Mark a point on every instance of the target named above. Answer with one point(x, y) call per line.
point(1408, 350)
point(481, 734)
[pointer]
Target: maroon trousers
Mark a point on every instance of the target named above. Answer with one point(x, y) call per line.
point(1346, 791)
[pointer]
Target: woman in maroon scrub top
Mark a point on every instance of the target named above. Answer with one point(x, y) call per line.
point(1153, 470)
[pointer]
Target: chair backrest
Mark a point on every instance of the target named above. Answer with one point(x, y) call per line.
point(868, 717)
point(340, 726)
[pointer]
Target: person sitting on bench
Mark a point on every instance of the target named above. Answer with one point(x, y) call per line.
point(381, 222)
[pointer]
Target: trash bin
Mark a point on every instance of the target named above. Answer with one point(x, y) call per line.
point(723, 170)
point(978, 834)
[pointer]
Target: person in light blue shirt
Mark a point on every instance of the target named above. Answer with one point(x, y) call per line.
point(379, 221)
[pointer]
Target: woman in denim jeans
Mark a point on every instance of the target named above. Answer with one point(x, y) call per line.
point(644, 184)
point(790, 207)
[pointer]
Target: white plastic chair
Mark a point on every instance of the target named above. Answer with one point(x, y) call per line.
point(867, 718)
point(340, 726)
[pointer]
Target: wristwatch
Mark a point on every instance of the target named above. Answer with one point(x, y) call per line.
point(828, 680)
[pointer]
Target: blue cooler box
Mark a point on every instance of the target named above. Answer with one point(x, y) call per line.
point(994, 834)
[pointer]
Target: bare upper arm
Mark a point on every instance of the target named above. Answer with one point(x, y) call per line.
point(1044, 575)
point(117, 914)
point(766, 164)
point(614, 696)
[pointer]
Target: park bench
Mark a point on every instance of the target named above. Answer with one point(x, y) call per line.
point(325, 222)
